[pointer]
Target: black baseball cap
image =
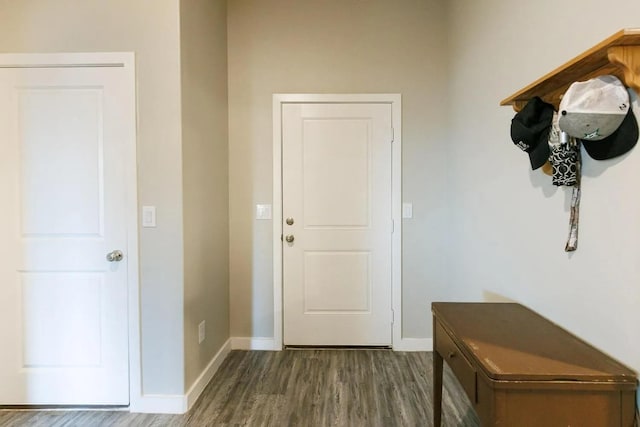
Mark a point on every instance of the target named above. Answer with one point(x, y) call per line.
point(616, 144)
point(530, 130)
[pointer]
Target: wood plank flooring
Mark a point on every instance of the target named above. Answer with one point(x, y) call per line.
point(297, 388)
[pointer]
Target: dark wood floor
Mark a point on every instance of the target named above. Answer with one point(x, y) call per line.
point(297, 388)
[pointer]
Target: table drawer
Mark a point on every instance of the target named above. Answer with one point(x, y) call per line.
point(456, 360)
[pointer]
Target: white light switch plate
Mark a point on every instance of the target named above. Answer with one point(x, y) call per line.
point(148, 216)
point(407, 210)
point(263, 211)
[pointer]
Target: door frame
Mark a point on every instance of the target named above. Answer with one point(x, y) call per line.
point(126, 61)
point(393, 99)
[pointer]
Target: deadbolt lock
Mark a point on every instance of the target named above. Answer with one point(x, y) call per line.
point(289, 221)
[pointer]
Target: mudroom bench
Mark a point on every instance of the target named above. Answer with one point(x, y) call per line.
point(520, 369)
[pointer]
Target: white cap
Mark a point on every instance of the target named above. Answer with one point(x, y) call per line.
point(594, 109)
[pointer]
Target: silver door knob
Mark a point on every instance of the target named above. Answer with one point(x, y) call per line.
point(115, 256)
point(289, 221)
point(289, 238)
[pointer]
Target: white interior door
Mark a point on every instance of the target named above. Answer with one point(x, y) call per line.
point(336, 163)
point(63, 305)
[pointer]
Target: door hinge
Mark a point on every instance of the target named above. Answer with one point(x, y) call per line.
point(393, 137)
point(393, 226)
point(392, 316)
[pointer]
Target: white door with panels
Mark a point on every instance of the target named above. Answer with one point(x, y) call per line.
point(63, 235)
point(337, 223)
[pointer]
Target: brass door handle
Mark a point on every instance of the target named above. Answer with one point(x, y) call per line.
point(289, 238)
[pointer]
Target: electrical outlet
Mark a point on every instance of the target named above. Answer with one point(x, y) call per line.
point(201, 332)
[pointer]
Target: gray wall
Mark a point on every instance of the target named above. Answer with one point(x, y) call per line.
point(203, 42)
point(509, 224)
point(335, 46)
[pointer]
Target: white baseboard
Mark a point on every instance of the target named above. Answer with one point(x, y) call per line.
point(414, 344)
point(252, 343)
point(201, 382)
point(180, 403)
point(160, 404)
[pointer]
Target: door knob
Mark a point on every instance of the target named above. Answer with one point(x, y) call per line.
point(115, 256)
point(289, 238)
point(289, 221)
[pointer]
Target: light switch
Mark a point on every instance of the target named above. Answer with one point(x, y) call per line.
point(263, 211)
point(407, 210)
point(148, 216)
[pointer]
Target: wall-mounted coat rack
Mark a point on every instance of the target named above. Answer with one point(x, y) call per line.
point(618, 55)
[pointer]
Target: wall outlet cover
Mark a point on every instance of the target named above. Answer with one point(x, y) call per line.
point(201, 332)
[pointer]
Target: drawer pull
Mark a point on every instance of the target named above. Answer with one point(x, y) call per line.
point(451, 355)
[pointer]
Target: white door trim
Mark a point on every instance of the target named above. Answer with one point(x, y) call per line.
point(125, 60)
point(395, 100)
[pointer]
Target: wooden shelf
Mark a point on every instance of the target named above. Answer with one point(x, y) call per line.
point(618, 55)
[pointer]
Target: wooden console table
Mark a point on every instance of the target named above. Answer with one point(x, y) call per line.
point(520, 369)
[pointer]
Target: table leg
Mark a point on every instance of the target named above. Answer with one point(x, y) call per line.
point(437, 388)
